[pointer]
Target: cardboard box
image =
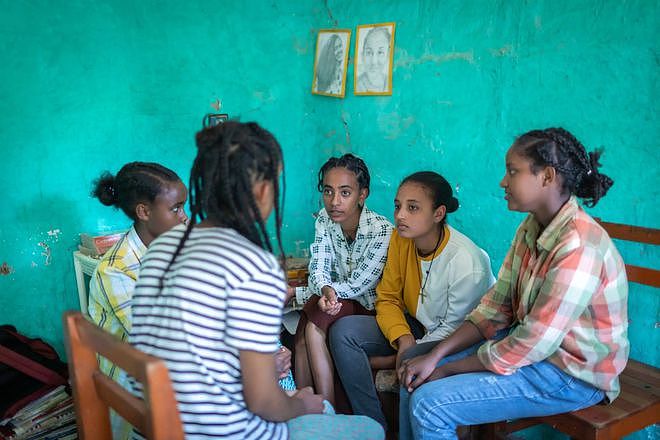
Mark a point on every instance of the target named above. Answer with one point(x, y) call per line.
point(100, 243)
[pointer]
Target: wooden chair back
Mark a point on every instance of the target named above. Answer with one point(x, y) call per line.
point(637, 234)
point(156, 416)
point(638, 405)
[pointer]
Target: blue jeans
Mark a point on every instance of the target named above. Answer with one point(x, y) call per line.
point(334, 427)
point(435, 409)
point(352, 340)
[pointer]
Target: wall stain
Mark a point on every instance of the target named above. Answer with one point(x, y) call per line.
point(409, 61)
point(344, 120)
point(538, 24)
point(301, 48)
point(55, 233)
point(502, 51)
point(6, 269)
point(45, 252)
point(330, 16)
point(394, 125)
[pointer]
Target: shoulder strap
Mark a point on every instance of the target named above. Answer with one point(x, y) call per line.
point(36, 345)
point(29, 367)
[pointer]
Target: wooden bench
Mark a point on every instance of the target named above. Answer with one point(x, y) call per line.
point(638, 405)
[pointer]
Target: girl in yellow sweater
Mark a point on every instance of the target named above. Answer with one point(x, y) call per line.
point(433, 277)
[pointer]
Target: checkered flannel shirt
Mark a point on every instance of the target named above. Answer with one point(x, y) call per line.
point(563, 290)
point(353, 270)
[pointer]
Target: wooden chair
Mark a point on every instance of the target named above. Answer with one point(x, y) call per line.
point(638, 405)
point(94, 393)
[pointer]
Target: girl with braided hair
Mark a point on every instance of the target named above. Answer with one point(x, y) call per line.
point(347, 259)
point(210, 295)
point(152, 196)
point(555, 322)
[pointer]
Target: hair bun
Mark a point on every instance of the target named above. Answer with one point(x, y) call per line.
point(105, 190)
point(452, 204)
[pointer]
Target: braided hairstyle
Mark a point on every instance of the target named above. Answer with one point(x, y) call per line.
point(231, 157)
point(578, 169)
point(353, 164)
point(135, 182)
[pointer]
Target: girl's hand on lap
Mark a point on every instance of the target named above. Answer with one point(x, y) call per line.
point(414, 372)
point(328, 302)
point(313, 403)
point(334, 309)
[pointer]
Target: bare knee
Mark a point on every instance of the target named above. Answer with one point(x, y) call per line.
point(313, 334)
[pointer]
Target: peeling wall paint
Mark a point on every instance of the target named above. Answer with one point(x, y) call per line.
point(6, 269)
point(87, 90)
point(45, 253)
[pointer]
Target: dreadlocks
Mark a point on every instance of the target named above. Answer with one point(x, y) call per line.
point(231, 157)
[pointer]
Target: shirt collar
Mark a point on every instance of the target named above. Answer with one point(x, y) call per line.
point(135, 241)
point(550, 234)
point(441, 245)
point(363, 223)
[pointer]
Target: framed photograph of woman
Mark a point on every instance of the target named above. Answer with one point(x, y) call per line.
point(374, 50)
point(330, 62)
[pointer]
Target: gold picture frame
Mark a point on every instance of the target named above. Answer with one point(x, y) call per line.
point(374, 59)
point(330, 62)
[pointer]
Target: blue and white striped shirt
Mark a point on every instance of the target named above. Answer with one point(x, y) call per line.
point(223, 294)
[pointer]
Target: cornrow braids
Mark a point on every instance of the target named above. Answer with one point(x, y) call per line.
point(231, 157)
point(351, 163)
point(558, 148)
point(135, 182)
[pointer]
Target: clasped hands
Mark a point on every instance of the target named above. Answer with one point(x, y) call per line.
point(328, 302)
point(421, 369)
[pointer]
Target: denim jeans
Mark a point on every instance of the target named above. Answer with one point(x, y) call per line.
point(352, 340)
point(435, 409)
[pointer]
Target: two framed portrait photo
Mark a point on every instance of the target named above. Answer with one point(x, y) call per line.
point(374, 50)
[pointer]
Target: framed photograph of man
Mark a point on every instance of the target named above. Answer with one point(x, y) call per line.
point(330, 61)
point(374, 52)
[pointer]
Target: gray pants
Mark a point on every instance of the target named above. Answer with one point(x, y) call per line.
point(352, 340)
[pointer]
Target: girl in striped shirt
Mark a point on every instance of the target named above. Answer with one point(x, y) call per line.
point(555, 322)
point(209, 301)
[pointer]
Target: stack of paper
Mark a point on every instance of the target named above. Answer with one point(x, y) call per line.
point(52, 416)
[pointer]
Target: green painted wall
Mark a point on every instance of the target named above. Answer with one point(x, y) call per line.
point(89, 85)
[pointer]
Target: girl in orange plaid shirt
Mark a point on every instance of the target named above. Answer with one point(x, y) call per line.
point(556, 317)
